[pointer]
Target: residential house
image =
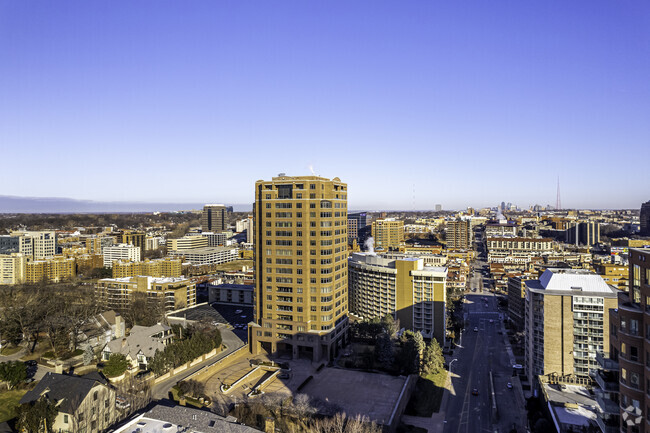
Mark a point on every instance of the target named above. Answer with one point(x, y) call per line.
point(86, 404)
point(141, 345)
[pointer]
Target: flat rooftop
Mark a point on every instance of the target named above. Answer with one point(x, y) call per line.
point(351, 391)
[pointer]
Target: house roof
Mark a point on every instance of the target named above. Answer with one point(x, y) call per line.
point(175, 418)
point(71, 389)
point(140, 340)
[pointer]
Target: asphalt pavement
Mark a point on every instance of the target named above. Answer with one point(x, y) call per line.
point(232, 342)
point(496, 407)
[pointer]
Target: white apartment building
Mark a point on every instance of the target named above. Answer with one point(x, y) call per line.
point(207, 255)
point(120, 252)
point(12, 268)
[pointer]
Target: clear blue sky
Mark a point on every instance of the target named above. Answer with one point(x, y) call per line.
point(467, 103)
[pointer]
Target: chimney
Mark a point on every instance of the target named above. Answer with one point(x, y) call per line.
point(269, 425)
point(119, 326)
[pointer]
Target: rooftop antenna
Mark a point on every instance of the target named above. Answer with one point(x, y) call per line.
point(413, 206)
point(558, 201)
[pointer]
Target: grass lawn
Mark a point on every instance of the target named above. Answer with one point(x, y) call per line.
point(427, 395)
point(10, 350)
point(8, 401)
point(235, 265)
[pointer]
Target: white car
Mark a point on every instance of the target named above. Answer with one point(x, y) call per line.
point(476, 329)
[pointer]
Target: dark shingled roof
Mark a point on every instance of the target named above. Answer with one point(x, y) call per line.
point(71, 389)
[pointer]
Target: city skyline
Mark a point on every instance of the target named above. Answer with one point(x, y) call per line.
point(410, 106)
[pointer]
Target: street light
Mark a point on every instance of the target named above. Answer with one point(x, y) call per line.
point(450, 363)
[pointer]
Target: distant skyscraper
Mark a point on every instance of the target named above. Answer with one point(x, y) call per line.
point(213, 218)
point(301, 265)
point(357, 227)
point(583, 233)
point(438, 207)
point(644, 218)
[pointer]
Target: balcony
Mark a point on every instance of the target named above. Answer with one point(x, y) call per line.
point(608, 425)
point(606, 381)
point(602, 358)
point(606, 405)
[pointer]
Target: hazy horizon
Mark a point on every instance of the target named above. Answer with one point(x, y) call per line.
point(412, 104)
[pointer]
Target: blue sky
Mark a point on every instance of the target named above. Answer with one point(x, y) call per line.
point(465, 103)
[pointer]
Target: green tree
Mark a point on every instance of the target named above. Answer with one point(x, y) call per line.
point(390, 325)
point(116, 365)
point(37, 416)
point(13, 372)
point(411, 352)
point(432, 360)
point(384, 351)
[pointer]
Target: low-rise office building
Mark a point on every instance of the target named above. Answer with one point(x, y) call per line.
point(517, 250)
point(403, 287)
point(43, 243)
point(187, 243)
point(120, 252)
point(231, 294)
point(207, 255)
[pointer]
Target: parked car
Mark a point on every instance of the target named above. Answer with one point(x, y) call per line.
point(475, 391)
point(476, 329)
point(509, 385)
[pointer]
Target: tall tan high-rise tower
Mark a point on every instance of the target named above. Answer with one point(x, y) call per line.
point(301, 277)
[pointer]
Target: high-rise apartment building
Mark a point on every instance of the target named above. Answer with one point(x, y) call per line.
point(388, 233)
point(401, 286)
point(214, 218)
point(644, 219)
point(43, 243)
point(301, 278)
point(459, 234)
point(583, 233)
point(566, 322)
point(516, 300)
point(12, 268)
point(118, 293)
point(137, 239)
point(120, 252)
point(357, 223)
point(629, 325)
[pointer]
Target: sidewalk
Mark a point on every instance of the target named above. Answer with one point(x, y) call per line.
point(14, 357)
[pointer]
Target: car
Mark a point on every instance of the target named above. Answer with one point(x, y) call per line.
point(476, 329)
point(509, 385)
point(475, 391)
point(491, 321)
point(517, 366)
point(284, 376)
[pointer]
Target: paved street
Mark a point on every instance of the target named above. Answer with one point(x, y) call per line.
point(483, 351)
point(232, 342)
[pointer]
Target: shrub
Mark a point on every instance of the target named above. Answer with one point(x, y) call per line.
point(116, 365)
